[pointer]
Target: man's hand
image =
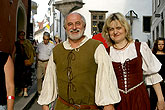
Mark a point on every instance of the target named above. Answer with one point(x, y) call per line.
point(109, 107)
point(45, 107)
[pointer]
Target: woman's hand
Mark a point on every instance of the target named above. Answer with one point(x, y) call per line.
point(45, 107)
point(160, 97)
point(109, 107)
point(160, 105)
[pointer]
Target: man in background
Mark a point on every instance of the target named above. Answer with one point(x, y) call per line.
point(43, 53)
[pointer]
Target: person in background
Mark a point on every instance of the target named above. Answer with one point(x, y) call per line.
point(57, 39)
point(137, 40)
point(99, 35)
point(24, 59)
point(79, 72)
point(159, 52)
point(131, 60)
point(7, 94)
point(43, 53)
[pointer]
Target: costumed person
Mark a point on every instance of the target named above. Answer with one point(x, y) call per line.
point(131, 60)
point(99, 35)
point(159, 52)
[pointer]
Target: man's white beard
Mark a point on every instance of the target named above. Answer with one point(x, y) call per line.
point(77, 36)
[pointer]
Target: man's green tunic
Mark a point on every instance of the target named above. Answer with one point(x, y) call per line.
point(76, 74)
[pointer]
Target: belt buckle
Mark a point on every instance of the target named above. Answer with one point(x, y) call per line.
point(77, 106)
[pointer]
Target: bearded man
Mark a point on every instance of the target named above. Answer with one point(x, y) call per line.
point(79, 72)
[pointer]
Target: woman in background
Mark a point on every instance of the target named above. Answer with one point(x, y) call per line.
point(159, 52)
point(23, 61)
point(57, 40)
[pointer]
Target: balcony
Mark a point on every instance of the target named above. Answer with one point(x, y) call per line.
point(67, 6)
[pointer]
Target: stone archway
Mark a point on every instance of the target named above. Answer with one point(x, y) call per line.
point(21, 18)
point(67, 6)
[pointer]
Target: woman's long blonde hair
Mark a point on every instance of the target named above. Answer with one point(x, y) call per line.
point(116, 17)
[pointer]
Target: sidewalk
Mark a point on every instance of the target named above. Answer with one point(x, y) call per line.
point(23, 103)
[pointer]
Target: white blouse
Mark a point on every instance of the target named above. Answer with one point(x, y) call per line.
point(106, 91)
point(150, 64)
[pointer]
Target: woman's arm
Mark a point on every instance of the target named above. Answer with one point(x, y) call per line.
point(109, 107)
point(45, 107)
point(9, 77)
point(158, 91)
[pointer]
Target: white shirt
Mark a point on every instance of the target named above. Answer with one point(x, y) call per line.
point(106, 91)
point(44, 51)
point(150, 64)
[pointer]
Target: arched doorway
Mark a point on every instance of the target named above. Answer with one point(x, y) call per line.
point(21, 18)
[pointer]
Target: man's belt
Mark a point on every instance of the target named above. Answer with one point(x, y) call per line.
point(76, 106)
point(43, 60)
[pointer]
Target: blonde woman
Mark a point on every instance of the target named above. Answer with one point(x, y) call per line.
point(131, 60)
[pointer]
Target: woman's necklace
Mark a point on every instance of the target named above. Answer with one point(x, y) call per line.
point(122, 47)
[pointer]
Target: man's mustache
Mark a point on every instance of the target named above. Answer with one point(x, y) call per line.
point(75, 30)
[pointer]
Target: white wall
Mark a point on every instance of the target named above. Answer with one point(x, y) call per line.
point(58, 23)
point(39, 37)
point(141, 7)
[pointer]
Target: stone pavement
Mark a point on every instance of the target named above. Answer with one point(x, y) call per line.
point(23, 103)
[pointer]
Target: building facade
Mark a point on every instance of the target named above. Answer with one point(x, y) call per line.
point(15, 16)
point(137, 12)
point(97, 11)
point(158, 16)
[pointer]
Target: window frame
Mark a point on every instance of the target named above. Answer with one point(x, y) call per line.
point(97, 20)
point(144, 30)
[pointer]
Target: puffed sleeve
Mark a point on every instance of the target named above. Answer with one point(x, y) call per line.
point(106, 83)
point(49, 86)
point(151, 65)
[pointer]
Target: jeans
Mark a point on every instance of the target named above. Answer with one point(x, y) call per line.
point(3, 107)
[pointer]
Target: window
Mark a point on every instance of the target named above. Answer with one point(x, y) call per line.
point(147, 24)
point(96, 18)
point(101, 17)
